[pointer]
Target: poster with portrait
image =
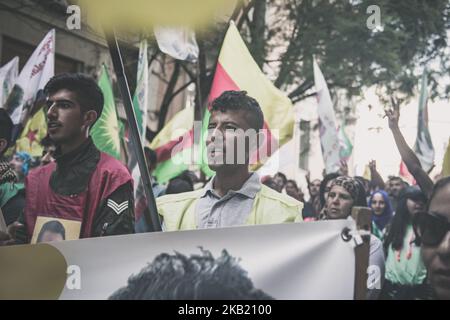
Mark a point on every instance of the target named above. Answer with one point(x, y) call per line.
point(49, 229)
point(285, 261)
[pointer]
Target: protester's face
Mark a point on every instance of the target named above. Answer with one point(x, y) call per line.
point(314, 188)
point(339, 203)
point(47, 156)
point(378, 204)
point(437, 258)
point(280, 182)
point(396, 186)
point(226, 143)
point(292, 190)
point(327, 189)
point(388, 187)
point(66, 121)
point(415, 207)
point(49, 236)
point(16, 164)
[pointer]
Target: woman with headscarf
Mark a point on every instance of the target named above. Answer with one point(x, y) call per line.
point(382, 212)
point(344, 194)
point(324, 188)
point(20, 163)
point(405, 271)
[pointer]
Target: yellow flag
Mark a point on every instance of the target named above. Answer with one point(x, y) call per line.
point(366, 173)
point(34, 131)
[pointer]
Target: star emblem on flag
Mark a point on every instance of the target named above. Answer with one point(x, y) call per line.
point(31, 135)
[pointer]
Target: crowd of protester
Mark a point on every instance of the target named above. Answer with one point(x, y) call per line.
point(410, 240)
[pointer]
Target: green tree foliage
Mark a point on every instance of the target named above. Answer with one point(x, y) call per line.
point(413, 34)
point(284, 35)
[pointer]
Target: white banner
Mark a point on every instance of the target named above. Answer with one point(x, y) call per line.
point(287, 261)
point(8, 76)
point(39, 68)
point(179, 43)
point(328, 130)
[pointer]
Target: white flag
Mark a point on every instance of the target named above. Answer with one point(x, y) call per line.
point(8, 76)
point(179, 43)
point(329, 138)
point(39, 68)
point(424, 146)
point(140, 99)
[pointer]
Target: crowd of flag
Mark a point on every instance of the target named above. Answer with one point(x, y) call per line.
point(21, 95)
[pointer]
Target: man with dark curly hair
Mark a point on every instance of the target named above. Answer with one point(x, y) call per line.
point(83, 185)
point(198, 277)
point(234, 196)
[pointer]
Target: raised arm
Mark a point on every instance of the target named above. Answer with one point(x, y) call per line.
point(375, 177)
point(408, 156)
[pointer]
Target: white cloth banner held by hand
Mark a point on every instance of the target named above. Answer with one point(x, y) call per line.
point(329, 138)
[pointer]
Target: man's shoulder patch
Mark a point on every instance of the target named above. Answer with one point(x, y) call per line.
point(118, 208)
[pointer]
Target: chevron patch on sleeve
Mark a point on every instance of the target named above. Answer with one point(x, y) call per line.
point(116, 207)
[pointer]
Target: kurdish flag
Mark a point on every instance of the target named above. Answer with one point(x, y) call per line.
point(34, 131)
point(236, 70)
point(106, 131)
point(174, 146)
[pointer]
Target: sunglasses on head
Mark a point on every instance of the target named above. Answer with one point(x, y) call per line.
point(433, 228)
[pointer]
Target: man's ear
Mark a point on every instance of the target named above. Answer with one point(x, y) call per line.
point(89, 118)
point(3, 146)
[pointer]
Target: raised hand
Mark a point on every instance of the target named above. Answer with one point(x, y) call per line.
point(373, 165)
point(343, 168)
point(393, 114)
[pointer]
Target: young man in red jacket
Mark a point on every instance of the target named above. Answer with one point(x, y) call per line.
point(87, 191)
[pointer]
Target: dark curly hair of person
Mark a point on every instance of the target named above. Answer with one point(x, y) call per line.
point(197, 277)
point(239, 100)
point(88, 93)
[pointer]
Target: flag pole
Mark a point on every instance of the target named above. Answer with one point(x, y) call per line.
point(151, 216)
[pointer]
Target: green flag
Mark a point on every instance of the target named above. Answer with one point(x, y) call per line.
point(346, 146)
point(106, 131)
